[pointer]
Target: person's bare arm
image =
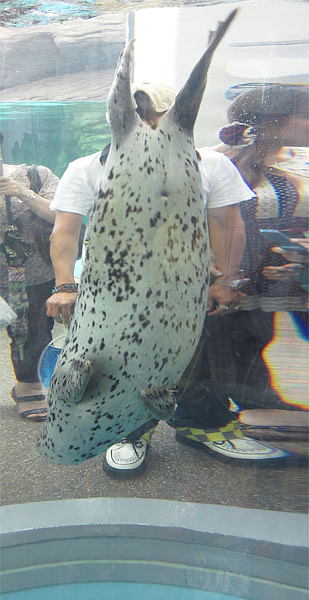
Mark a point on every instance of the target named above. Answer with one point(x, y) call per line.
point(64, 250)
point(227, 241)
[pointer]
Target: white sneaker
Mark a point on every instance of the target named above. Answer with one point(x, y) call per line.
point(125, 458)
point(246, 448)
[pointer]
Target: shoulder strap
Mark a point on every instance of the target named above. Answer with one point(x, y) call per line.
point(34, 178)
point(9, 211)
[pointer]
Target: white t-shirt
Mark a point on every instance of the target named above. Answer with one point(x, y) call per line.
point(222, 182)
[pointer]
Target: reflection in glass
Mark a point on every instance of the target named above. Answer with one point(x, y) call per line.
point(244, 397)
point(67, 120)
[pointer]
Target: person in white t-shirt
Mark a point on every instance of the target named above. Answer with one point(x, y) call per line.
point(76, 193)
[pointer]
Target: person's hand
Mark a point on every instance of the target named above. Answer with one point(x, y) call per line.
point(60, 306)
point(292, 255)
point(10, 187)
point(276, 273)
point(214, 271)
point(227, 299)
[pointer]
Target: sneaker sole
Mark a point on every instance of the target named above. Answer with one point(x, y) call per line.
point(225, 456)
point(123, 473)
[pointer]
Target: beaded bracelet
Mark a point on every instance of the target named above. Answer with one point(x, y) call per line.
point(65, 287)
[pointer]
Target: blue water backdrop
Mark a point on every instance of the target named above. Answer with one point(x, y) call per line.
point(20, 13)
point(52, 133)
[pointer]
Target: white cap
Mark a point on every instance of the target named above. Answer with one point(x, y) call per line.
point(161, 96)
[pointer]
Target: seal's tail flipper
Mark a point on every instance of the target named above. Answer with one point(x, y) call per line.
point(71, 379)
point(187, 103)
point(160, 401)
point(120, 102)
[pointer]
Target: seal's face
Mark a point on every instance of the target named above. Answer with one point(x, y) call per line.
point(143, 291)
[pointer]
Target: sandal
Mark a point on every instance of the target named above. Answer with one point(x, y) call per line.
point(28, 414)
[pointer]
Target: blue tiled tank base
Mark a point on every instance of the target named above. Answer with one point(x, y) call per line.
point(114, 591)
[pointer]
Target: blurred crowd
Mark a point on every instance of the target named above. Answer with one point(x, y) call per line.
point(256, 187)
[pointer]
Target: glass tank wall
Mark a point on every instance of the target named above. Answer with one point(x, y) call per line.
point(182, 314)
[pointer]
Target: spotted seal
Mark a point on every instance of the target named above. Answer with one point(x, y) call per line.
point(143, 291)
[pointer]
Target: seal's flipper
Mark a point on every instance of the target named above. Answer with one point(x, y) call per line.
point(120, 103)
point(160, 401)
point(187, 103)
point(71, 379)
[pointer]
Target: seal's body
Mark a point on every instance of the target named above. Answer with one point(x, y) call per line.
point(143, 291)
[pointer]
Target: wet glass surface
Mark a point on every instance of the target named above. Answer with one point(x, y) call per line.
point(239, 436)
point(249, 374)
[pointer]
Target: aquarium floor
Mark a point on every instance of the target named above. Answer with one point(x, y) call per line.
point(174, 471)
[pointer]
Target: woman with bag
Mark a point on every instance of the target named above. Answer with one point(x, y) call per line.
point(267, 140)
point(26, 275)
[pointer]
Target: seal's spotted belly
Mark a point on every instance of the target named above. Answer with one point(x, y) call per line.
point(143, 291)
